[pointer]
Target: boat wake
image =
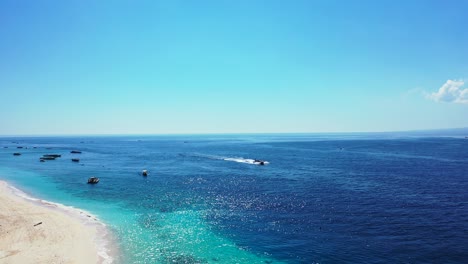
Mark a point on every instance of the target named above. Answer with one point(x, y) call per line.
point(247, 161)
point(233, 159)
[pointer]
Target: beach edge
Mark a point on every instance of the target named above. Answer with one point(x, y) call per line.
point(85, 225)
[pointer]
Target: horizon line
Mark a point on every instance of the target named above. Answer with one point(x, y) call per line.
point(231, 133)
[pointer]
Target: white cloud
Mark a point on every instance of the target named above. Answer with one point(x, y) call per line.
point(451, 92)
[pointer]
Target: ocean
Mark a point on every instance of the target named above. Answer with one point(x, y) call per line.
point(319, 198)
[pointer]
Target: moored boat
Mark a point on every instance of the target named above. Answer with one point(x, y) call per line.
point(52, 155)
point(47, 158)
point(93, 180)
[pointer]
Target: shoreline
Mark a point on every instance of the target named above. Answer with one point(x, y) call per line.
point(39, 231)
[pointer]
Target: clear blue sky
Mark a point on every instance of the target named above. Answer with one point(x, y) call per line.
point(118, 67)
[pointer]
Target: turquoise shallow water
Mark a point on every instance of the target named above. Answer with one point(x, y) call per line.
point(180, 236)
point(320, 198)
point(145, 233)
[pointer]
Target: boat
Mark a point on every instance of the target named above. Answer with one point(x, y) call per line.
point(259, 162)
point(75, 152)
point(144, 173)
point(47, 158)
point(76, 160)
point(16, 154)
point(52, 155)
point(93, 180)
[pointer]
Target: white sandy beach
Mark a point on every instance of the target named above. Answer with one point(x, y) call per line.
point(60, 238)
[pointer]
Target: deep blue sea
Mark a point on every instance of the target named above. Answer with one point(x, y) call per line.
point(321, 198)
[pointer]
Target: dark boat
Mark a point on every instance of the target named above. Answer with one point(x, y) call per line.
point(52, 155)
point(75, 152)
point(76, 160)
point(19, 147)
point(16, 154)
point(47, 158)
point(259, 162)
point(144, 173)
point(93, 180)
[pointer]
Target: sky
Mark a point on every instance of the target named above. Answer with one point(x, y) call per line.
point(244, 66)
